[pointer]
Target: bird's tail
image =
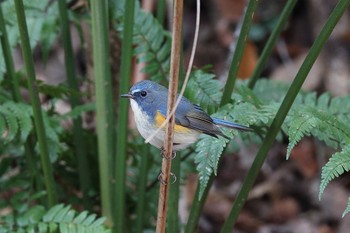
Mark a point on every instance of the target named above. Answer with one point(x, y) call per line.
point(230, 125)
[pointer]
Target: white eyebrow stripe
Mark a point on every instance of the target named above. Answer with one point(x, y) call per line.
point(134, 91)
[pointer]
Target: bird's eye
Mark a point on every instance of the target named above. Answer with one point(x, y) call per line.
point(143, 93)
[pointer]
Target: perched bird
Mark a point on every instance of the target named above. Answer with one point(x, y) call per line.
point(149, 103)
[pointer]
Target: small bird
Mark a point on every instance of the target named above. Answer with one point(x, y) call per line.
point(149, 103)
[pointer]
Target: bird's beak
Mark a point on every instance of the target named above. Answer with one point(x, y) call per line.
point(129, 96)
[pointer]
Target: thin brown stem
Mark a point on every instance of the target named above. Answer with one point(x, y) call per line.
point(169, 132)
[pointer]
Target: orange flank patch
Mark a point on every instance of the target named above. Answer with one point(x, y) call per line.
point(159, 119)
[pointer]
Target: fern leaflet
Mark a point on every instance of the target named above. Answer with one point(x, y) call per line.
point(204, 90)
point(336, 166)
point(59, 217)
point(301, 125)
point(347, 210)
point(208, 152)
point(16, 117)
point(318, 117)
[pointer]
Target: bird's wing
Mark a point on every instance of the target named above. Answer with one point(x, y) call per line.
point(193, 117)
point(197, 119)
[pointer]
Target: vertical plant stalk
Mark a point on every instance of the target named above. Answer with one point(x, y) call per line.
point(104, 103)
point(174, 196)
point(161, 9)
point(10, 68)
point(282, 113)
point(120, 161)
point(34, 99)
point(169, 131)
point(237, 56)
point(141, 189)
point(197, 206)
point(282, 20)
point(78, 138)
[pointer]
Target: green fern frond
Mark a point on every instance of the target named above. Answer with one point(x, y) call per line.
point(340, 107)
point(16, 124)
point(11, 125)
point(336, 166)
point(301, 125)
point(16, 117)
point(208, 152)
point(347, 210)
point(58, 91)
point(24, 121)
point(59, 218)
point(268, 90)
point(204, 90)
point(312, 116)
point(248, 114)
point(35, 19)
point(152, 45)
point(244, 94)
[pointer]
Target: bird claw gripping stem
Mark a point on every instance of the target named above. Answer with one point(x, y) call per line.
point(162, 153)
point(164, 182)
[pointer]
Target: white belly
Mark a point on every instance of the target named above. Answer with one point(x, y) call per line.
point(146, 127)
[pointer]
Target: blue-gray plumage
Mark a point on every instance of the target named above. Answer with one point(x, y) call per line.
point(149, 104)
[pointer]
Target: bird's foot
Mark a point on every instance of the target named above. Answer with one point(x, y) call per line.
point(164, 182)
point(164, 156)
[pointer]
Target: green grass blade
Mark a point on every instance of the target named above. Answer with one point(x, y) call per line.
point(122, 122)
point(197, 206)
point(174, 196)
point(141, 189)
point(34, 98)
point(10, 68)
point(161, 10)
point(78, 138)
point(282, 113)
point(238, 54)
point(104, 103)
point(282, 20)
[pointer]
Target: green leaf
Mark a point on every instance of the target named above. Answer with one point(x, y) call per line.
point(50, 215)
point(336, 166)
point(81, 217)
point(208, 152)
point(60, 218)
point(204, 90)
point(11, 124)
point(302, 124)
